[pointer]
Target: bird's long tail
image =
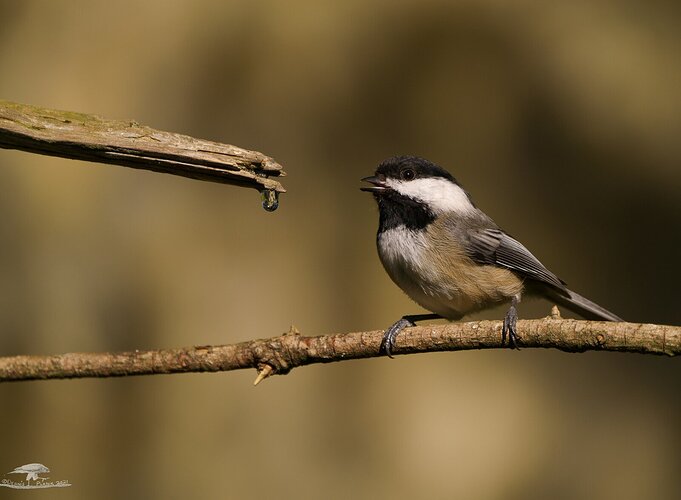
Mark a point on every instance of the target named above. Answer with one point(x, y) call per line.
point(582, 306)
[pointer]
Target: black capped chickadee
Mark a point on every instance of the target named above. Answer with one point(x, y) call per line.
point(450, 257)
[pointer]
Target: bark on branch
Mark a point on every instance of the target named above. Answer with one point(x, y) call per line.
point(88, 137)
point(279, 355)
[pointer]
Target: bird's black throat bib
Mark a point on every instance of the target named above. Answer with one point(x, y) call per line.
point(398, 210)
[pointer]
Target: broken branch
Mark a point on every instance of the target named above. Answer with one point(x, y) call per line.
point(81, 136)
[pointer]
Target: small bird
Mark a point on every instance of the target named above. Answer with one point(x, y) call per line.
point(32, 471)
point(450, 257)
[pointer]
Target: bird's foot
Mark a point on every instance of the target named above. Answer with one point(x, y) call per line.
point(510, 321)
point(388, 342)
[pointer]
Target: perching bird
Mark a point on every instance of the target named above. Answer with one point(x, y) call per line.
point(32, 471)
point(449, 256)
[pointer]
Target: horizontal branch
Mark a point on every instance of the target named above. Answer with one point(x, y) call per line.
point(88, 137)
point(279, 355)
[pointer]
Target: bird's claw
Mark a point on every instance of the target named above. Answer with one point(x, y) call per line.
point(388, 342)
point(510, 321)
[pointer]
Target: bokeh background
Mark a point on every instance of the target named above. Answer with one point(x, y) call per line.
point(563, 119)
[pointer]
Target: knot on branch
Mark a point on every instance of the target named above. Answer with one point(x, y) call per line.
point(274, 354)
point(279, 355)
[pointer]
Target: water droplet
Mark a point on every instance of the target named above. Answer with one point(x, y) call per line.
point(270, 199)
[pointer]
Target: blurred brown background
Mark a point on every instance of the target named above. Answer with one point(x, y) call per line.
point(561, 118)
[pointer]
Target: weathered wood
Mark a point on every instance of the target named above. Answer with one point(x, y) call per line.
point(86, 137)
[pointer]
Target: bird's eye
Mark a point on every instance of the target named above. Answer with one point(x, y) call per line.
point(407, 174)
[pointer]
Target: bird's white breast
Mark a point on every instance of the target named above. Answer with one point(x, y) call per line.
point(439, 278)
point(401, 246)
point(404, 254)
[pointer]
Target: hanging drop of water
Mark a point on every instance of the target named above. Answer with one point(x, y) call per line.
point(270, 199)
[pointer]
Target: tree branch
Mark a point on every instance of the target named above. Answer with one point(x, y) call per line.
point(279, 355)
point(88, 137)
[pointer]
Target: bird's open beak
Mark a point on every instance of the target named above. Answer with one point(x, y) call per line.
point(379, 185)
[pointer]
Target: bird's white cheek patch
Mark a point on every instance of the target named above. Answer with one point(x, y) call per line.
point(441, 195)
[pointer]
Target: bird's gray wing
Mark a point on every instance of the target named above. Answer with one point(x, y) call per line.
point(495, 247)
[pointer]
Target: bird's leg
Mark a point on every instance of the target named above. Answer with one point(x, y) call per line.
point(388, 342)
point(510, 325)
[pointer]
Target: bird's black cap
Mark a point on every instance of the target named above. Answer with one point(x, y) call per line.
point(392, 167)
